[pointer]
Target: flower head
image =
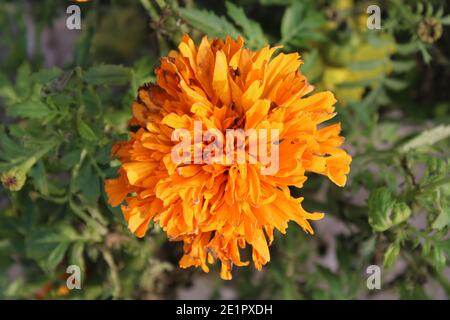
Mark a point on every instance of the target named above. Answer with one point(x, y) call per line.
point(429, 30)
point(14, 179)
point(218, 208)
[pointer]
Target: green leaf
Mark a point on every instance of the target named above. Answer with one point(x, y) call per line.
point(312, 63)
point(251, 29)
point(275, 2)
point(11, 150)
point(71, 158)
point(85, 131)
point(403, 65)
point(31, 110)
point(400, 213)
point(391, 255)
point(395, 84)
point(108, 75)
point(88, 183)
point(300, 23)
point(103, 155)
point(442, 202)
point(426, 56)
point(45, 76)
point(426, 138)
point(360, 83)
point(48, 246)
point(407, 48)
point(141, 74)
point(365, 65)
point(438, 257)
point(380, 207)
point(23, 80)
point(442, 220)
point(426, 247)
point(445, 20)
point(93, 104)
point(40, 178)
point(61, 101)
point(8, 93)
point(384, 211)
point(209, 23)
point(436, 167)
point(56, 256)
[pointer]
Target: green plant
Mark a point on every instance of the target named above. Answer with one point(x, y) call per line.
point(58, 125)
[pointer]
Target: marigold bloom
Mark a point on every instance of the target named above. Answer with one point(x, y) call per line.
point(218, 209)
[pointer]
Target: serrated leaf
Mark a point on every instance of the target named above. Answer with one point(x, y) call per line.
point(47, 75)
point(56, 256)
point(407, 48)
point(48, 246)
point(11, 150)
point(23, 80)
point(436, 167)
point(442, 202)
point(445, 20)
point(88, 183)
point(251, 29)
point(93, 104)
point(385, 211)
point(391, 255)
point(359, 83)
point(426, 56)
point(395, 84)
point(299, 23)
point(85, 131)
point(380, 205)
point(9, 95)
point(400, 213)
point(438, 257)
point(31, 110)
point(103, 156)
point(426, 248)
point(403, 65)
point(365, 65)
point(108, 75)
point(209, 23)
point(442, 220)
point(275, 2)
point(71, 158)
point(426, 138)
point(40, 178)
point(312, 60)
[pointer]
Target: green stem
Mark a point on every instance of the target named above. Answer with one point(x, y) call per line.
point(114, 272)
point(87, 219)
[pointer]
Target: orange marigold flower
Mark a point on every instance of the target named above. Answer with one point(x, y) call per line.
point(218, 208)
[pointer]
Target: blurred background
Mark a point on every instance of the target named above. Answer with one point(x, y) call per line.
point(65, 97)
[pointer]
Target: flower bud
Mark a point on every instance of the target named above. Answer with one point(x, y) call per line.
point(429, 30)
point(13, 179)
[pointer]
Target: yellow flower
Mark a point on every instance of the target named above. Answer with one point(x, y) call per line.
point(217, 209)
